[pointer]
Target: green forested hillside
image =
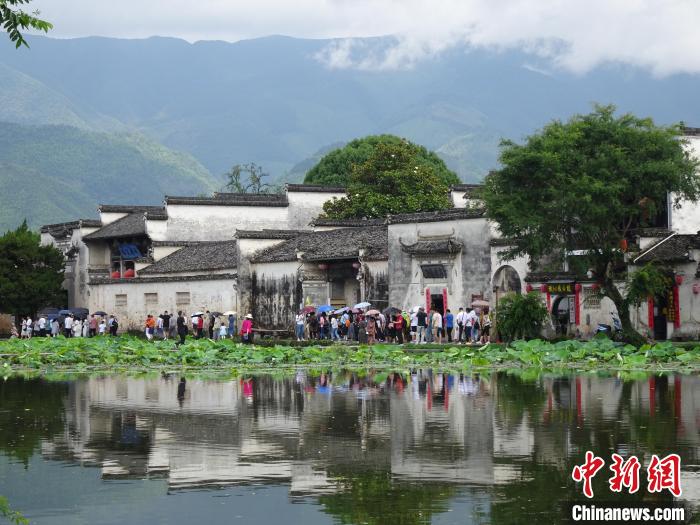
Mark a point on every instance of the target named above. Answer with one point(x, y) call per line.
point(57, 173)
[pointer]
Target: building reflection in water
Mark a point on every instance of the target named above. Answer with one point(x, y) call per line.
point(502, 434)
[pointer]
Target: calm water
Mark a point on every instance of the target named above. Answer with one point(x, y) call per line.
point(340, 447)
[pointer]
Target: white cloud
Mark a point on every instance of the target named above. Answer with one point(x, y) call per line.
point(578, 35)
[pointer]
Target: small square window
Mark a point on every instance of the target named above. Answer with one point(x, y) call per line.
point(434, 271)
point(120, 300)
point(182, 298)
point(151, 299)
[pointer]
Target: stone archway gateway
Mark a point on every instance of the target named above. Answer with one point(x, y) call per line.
point(506, 279)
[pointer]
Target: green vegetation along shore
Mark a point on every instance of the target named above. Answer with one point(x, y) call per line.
point(134, 353)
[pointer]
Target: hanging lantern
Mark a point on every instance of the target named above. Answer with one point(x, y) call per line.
point(623, 245)
point(130, 273)
point(595, 287)
point(679, 280)
point(116, 274)
point(696, 288)
point(543, 288)
point(323, 266)
point(528, 287)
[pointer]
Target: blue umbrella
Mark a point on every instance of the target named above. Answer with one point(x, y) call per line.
point(324, 308)
point(64, 312)
point(362, 306)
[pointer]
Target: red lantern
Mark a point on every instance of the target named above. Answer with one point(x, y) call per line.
point(595, 287)
point(323, 266)
point(543, 288)
point(696, 288)
point(679, 280)
point(623, 245)
point(528, 288)
point(130, 273)
point(116, 274)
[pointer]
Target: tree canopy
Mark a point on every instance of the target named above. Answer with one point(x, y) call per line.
point(336, 167)
point(31, 275)
point(390, 181)
point(588, 183)
point(14, 20)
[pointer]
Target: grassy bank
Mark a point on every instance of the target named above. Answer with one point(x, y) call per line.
point(130, 352)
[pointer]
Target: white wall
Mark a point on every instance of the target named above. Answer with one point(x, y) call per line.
point(306, 206)
point(687, 218)
point(157, 230)
point(213, 295)
point(218, 223)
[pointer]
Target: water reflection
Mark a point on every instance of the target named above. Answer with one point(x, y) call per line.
point(365, 447)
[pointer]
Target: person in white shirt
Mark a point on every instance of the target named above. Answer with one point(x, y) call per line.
point(77, 328)
point(42, 326)
point(414, 326)
point(461, 320)
point(68, 326)
point(471, 319)
point(437, 326)
point(334, 329)
point(299, 326)
point(30, 327)
point(102, 327)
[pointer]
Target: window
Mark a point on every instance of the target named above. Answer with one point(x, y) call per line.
point(434, 271)
point(151, 299)
point(591, 298)
point(182, 298)
point(120, 300)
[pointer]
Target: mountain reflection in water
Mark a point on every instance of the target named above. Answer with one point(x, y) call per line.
point(349, 447)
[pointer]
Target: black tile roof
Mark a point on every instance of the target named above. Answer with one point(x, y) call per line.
point(330, 245)
point(676, 248)
point(125, 208)
point(164, 278)
point(348, 223)
point(469, 189)
point(215, 255)
point(433, 246)
point(71, 225)
point(269, 234)
point(501, 241)
point(451, 214)
point(690, 132)
point(133, 225)
point(232, 199)
point(314, 188)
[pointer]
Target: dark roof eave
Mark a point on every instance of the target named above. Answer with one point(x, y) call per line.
point(210, 201)
point(167, 279)
point(314, 188)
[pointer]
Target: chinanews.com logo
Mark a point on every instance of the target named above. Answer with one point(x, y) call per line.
point(662, 475)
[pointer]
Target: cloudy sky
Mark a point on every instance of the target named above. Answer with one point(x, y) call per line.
point(659, 35)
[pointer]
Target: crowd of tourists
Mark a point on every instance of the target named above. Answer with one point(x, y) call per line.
point(470, 325)
point(203, 325)
point(68, 325)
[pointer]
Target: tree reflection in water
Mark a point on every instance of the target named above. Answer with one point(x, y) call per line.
point(369, 446)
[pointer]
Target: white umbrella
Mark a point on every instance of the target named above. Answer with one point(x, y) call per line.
point(230, 312)
point(362, 305)
point(480, 302)
point(197, 314)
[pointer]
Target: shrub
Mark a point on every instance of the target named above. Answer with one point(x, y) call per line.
point(520, 316)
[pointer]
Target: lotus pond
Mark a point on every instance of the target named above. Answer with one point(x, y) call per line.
point(130, 352)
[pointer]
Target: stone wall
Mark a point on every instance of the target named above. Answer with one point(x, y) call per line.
point(210, 294)
point(275, 295)
point(468, 272)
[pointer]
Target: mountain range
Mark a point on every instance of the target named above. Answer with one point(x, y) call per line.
point(171, 116)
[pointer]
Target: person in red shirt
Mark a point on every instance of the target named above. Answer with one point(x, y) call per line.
point(247, 329)
point(200, 327)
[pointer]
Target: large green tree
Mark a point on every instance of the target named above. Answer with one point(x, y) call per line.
point(336, 167)
point(14, 20)
point(30, 274)
point(589, 182)
point(390, 181)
